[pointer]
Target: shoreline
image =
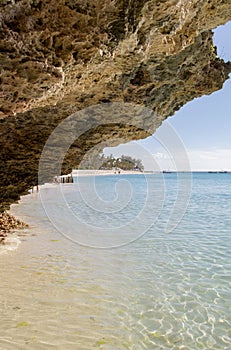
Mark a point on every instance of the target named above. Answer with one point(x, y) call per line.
point(10, 225)
point(76, 173)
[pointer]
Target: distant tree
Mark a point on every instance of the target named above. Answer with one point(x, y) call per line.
point(139, 164)
point(100, 161)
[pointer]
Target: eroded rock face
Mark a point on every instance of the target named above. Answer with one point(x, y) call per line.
point(60, 56)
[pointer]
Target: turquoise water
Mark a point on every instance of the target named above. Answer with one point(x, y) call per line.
point(162, 283)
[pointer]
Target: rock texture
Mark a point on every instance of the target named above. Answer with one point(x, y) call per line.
point(7, 224)
point(60, 56)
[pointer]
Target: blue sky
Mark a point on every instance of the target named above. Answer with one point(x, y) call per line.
point(203, 125)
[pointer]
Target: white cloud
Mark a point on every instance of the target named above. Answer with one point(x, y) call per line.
point(161, 155)
point(219, 159)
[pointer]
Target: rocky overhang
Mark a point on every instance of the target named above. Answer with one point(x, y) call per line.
point(59, 57)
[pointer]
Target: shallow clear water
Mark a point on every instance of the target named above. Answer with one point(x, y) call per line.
point(72, 285)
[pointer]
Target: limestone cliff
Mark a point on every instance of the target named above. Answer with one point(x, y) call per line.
point(60, 56)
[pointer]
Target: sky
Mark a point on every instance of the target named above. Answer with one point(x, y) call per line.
point(200, 130)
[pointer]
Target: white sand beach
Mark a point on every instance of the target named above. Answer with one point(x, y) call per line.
point(76, 172)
